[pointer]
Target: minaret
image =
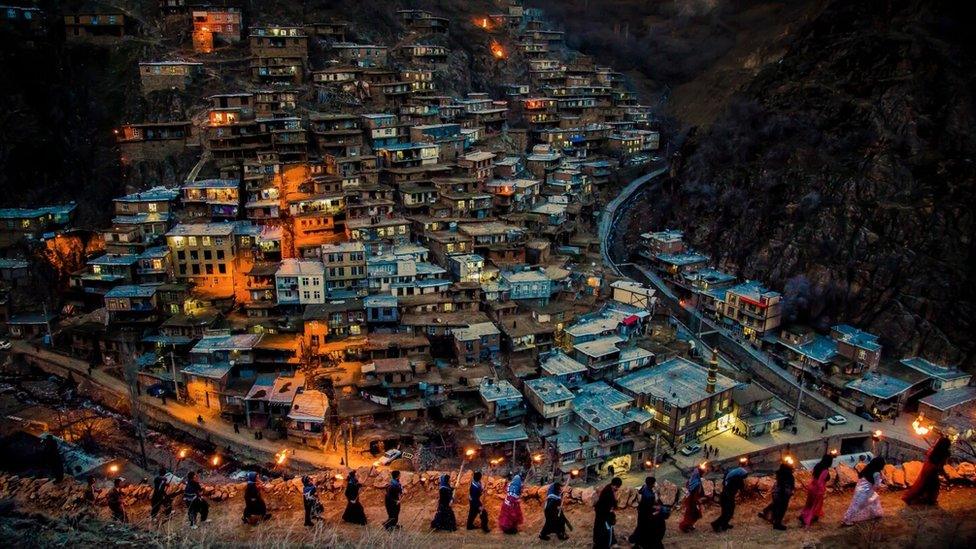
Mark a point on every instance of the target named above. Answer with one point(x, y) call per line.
point(712, 371)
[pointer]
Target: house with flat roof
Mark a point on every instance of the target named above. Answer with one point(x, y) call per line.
point(686, 402)
point(559, 366)
point(503, 401)
point(859, 347)
point(551, 399)
point(300, 282)
point(942, 377)
point(477, 343)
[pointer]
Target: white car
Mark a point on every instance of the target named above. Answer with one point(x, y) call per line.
point(5, 345)
point(837, 420)
point(390, 456)
point(691, 449)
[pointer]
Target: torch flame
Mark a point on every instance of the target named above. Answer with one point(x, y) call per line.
point(183, 453)
point(574, 472)
point(537, 458)
point(215, 461)
point(788, 460)
point(497, 50)
point(743, 460)
point(920, 429)
point(113, 468)
point(281, 456)
point(878, 433)
point(469, 452)
point(834, 452)
point(703, 465)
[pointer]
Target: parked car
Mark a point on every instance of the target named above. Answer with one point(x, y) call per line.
point(390, 456)
point(160, 390)
point(866, 416)
point(837, 420)
point(690, 450)
point(5, 345)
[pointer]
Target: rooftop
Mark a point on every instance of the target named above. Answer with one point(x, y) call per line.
point(938, 371)
point(549, 390)
point(946, 400)
point(558, 363)
point(599, 347)
point(498, 434)
point(131, 290)
point(856, 337)
point(202, 229)
point(501, 389)
point(310, 405)
point(237, 342)
point(879, 385)
point(820, 349)
point(299, 267)
point(210, 371)
point(677, 381)
point(683, 258)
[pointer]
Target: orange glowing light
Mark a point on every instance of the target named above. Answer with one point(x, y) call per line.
point(215, 461)
point(469, 452)
point(339, 476)
point(183, 453)
point(877, 434)
point(537, 458)
point(496, 461)
point(788, 460)
point(834, 452)
point(920, 429)
point(113, 468)
point(376, 463)
point(703, 465)
point(281, 456)
point(743, 460)
point(574, 472)
point(497, 50)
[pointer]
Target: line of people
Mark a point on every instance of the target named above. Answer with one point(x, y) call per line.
point(652, 512)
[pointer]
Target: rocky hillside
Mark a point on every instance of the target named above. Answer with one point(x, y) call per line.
point(843, 175)
point(38, 512)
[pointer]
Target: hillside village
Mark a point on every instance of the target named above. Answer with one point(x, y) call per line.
point(354, 254)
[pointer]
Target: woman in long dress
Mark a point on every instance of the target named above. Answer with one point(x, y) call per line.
point(925, 489)
point(817, 491)
point(645, 508)
point(555, 520)
point(444, 518)
point(693, 510)
point(866, 503)
point(510, 517)
point(354, 512)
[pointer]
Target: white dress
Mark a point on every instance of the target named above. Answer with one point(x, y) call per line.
point(866, 504)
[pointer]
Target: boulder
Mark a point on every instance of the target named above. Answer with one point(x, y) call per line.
point(803, 479)
point(667, 491)
point(846, 475)
point(912, 469)
point(889, 474)
point(765, 485)
point(897, 478)
point(967, 470)
point(953, 476)
point(577, 493)
point(708, 488)
point(587, 495)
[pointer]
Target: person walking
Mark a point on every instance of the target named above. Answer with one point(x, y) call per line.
point(553, 512)
point(733, 482)
point(254, 507)
point(114, 499)
point(510, 517)
point(159, 499)
point(354, 513)
point(604, 518)
point(310, 500)
point(693, 507)
point(394, 491)
point(925, 489)
point(476, 509)
point(866, 503)
point(817, 491)
point(782, 493)
point(444, 518)
point(645, 508)
point(195, 504)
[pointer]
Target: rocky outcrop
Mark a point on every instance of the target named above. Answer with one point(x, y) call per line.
point(843, 176)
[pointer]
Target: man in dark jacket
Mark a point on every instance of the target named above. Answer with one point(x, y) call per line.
point(476, 508)
point(114, 499)
point(254, 505)
point(604, 517)
point(733, 482)
point(394, 491)
point(782, 493)
point(159, 499)
point(193, 497)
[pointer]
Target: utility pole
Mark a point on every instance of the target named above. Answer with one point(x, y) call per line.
point(799, 397)
point(345, 440)
point(131, 371)
point(657, 437)
point(176, 383)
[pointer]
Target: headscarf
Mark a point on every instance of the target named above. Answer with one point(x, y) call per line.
point(695, 482)
point(252, 477)
point(825, 463)
point(555, 491)
point(939, 454)
point(736, 473)
point(445, 481)
point(308, 489)
point(306, 480)
point(875, 466)
point(515, 487)
point(352, 478)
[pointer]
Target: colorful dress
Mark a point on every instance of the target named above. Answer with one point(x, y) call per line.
point(510, 517)
point(816, 492)
point(693, 510)
point(866, 503)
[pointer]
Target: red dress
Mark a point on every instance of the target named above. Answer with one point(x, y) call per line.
point(816, 491)
point(510, 517)
point(693, 510)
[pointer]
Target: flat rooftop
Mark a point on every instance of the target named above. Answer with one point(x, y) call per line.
point(677, 381)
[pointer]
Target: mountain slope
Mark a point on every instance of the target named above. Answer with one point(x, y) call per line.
point(844, 174)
